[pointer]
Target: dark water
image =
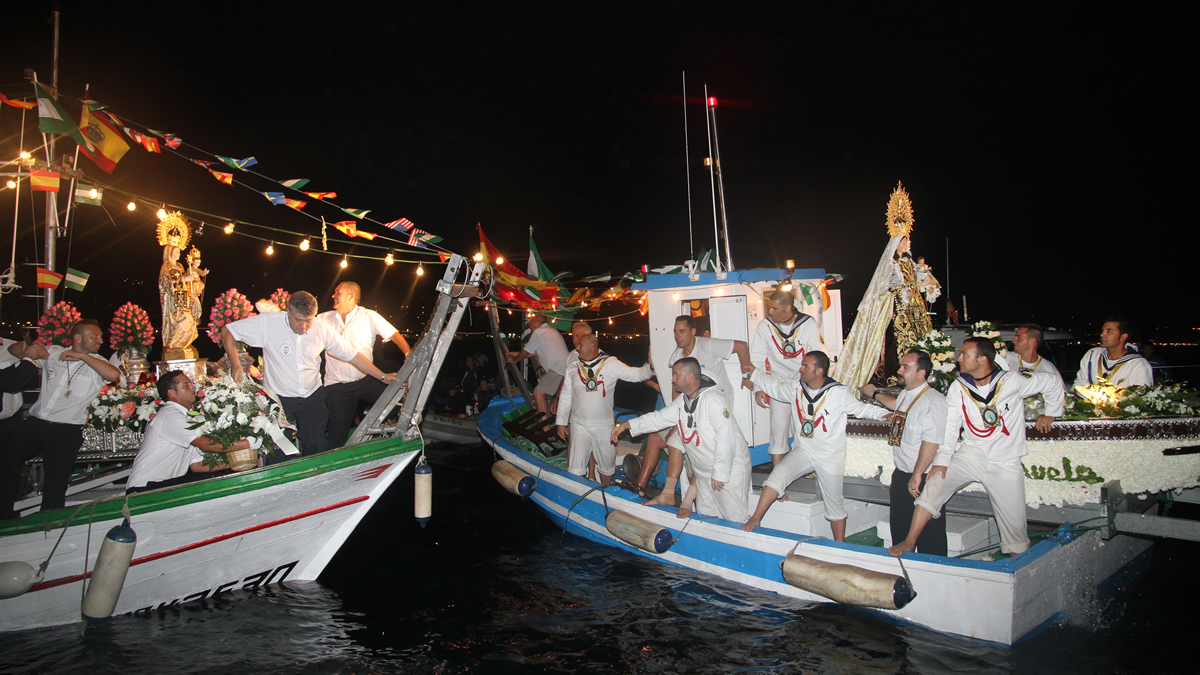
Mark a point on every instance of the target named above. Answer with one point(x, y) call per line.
point(491, 586)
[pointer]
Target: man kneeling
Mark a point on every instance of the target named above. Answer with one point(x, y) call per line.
point(171, 452)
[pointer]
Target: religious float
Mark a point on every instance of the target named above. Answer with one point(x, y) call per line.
point(1089, 483)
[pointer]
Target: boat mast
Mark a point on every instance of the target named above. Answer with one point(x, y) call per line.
point(711, 103)
point(711, 163)
point(687, 163)
point(52, 197)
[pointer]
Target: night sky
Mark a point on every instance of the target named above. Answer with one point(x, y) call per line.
point(1046, 141)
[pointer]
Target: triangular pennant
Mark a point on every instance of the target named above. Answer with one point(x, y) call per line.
point(294, 183)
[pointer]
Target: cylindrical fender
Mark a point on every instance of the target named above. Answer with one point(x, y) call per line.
point(423, 492)
point(513, 479)
point(847, 584)
point(638, 532)
point(108, 576)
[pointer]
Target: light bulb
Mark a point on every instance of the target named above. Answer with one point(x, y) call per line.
point(610, 321)
point(786, 287)
point(304, 245)
point(229, 228)
point(500, 260)
point(162, 214)
point(24, 155)
point(91, 193)
point(675, 296)
point(271, 248)
point(345, 263)
point(420, 270)
point(132, 206)
point(12, 185)
point(389, 259)
point(478, 257)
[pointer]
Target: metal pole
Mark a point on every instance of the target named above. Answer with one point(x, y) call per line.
point(712, 178)
point(51, 197)
point(721, 188)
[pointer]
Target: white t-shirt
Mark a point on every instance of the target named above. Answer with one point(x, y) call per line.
point(293, 362)
point(711, 354)
point(925, 421)
point(12, 402)
point(359, 329)
point(167, 451)
point(61, 377)
point(550, 348)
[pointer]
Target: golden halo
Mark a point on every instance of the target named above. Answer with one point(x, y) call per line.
point(899, 213)
point(174, 231)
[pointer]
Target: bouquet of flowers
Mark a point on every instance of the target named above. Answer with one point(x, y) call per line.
point(226, 411)
point(941, 352)
point(130, 329)
point(1105, 399)
point(280, 299)
point(129, 407)
point(230, 306)
point(988, 330)
point(54, 328)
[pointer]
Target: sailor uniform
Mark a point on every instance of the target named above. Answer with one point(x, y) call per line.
point(991, 420)
point(920, 417)
point(586, 405)
point(711, 354)
point(1034, 405)
point(819, 418)
point(715, 449)
point(778, 349)
point(1130, 370)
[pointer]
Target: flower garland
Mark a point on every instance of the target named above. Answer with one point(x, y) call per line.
point(937, 344)
point(226, 412)
point(280, 299)
point(54, 328)
point(128, 407)
point(988, 330)
point(130, 329)
point(230, 306)
point(1104, 399)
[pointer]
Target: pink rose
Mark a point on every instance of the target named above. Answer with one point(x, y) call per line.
point(127, 409)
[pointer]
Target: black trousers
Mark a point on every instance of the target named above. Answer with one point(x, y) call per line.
point(57, 443)
point(311, 417)
point(933, 537)
point(343, 400)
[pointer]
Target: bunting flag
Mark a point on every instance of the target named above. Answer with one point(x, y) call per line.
point(203, 163)
point(294, 183)
point(132, 133)
point(107, 145)
point(48, 279)
point(579, 296)
point(172, 141)
point(152, 132)
point(348, 228)
point(402, 225)
point(443, 256)
point(151, 144)
point(93, 105)
point(826, 301)
point(807, 293)
point(43, 181)
point(75, 280)
point(668, 269)
point(418, 238)
point(295, 203)
point(25, 105)
point(607, 276)
point(88, 194)
point(357, 213)
point(238, 163)
point(53, 118)
point(276, 198)
point(536, 268)
point(322, 195)
point(226, 178)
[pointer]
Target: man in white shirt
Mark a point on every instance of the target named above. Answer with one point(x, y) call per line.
point(551, 351)
point(292, 343)
point(1113, 359)
point(346, 386)
point(71, 378)
point(918, 430)
point(986, 406)
point(1024, 358)
point(780, 343)
point(170, 453)
point(819, 406)
point(18, 371)
point(718, 457)
point(586, 406)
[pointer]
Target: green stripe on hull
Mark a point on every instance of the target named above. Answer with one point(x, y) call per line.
point(191, 493)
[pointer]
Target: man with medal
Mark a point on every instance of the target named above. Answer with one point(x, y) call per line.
point(918, 428)
point(986, 406)
point(585, 408)
point(717, 454)
point(1024, 358)
point(1113, 360)
point(780, 344)
point(71, 378)
point(819, 406)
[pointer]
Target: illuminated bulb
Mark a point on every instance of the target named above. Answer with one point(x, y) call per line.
point(24, 155)
point(500, 260)
point(420, 270)
point(304, 245)
point(162, 214)
point(510, 312)
point(719, 291)
point(478, 257)
point(610, 321)
point(675, 296)
point(389, 259)
point(229, 228)
point(271, 248)
point(91, 193)
point(12, 185)
point(132, 206)
point(791, 264)
point(345, 262)
point(786, 287)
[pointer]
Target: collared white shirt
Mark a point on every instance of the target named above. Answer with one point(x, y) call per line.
point(12, 402)
point(59, 377)
point(830, 405)
point(293, 362)
point(167, 450)
point(550, 348)
point(710, 353)
point(925, 421)
point(359, 328)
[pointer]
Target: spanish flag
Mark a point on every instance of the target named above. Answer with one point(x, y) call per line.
point(48, 279)
point(347, 227)
point(107, 145)
point(43, 181)
point(26, 105)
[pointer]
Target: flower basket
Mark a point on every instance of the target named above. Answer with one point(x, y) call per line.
point(230, 306)
point(226, 412)
point(130, 329)
point(242, 460)
point(54, 328)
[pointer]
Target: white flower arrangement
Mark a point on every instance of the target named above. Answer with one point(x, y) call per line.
point(941, 352)
point(989, 331)
point(227, 411)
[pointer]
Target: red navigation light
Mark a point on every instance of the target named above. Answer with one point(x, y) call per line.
point(712, 101)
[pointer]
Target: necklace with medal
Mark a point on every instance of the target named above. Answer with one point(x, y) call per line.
point(589, 373)
point(807, 425)
point(987, 409)
point(899, 418)
point(788, 348)
point(71, 376)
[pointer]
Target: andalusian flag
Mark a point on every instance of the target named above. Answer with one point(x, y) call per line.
point(88, 194)
point(294, 183)
point(53, 118)
point(238, 163)
point(107, 145)
point(357, 213)
point(536, 268)
point(43, 181)
point(47, 278)
point(75, 280)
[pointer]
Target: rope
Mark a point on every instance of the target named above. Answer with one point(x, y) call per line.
point(583, 496)
point(900, 559)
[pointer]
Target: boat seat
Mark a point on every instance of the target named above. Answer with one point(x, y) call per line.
point(537, 428)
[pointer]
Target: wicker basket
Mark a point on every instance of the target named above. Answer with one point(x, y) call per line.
point(241, 460)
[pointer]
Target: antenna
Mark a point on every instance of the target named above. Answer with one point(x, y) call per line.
point(711, 163)
point(687, 162)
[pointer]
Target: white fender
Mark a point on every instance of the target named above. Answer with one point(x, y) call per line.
point(108, 576)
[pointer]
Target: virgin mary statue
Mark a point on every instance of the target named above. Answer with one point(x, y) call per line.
point(892, 316)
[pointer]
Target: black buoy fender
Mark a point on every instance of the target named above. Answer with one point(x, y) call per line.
point(108, 576)
point(513, 479)
point(847, 584)
point(423, 492)
point(638, 532)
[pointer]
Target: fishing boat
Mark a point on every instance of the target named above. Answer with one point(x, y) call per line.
point(1084, 554)
point(243, 531)
point(451, 428)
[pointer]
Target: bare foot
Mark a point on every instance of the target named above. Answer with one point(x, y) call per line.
point(662, 499)
point(751, 524)
point(901, 548)
point(684, 512)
